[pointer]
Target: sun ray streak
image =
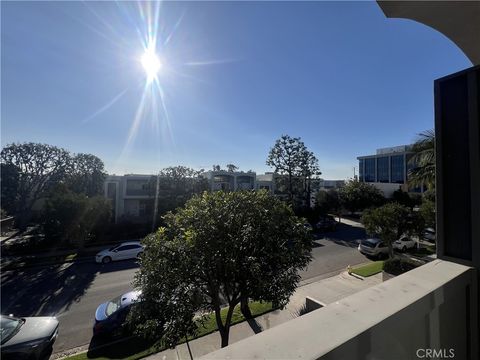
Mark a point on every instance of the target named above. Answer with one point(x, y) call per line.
point(105, 107)
point(177, 24)
point(102, 20)
point(135, 124)
point(211, 62)
point(166, 115)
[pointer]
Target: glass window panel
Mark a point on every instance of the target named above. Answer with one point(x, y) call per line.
point(382, 169)
point(397, 169)
point(370, 170)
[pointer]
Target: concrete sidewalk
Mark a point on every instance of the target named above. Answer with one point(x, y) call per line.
point(325, 291)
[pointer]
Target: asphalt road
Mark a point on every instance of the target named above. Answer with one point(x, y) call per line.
point(73, 291)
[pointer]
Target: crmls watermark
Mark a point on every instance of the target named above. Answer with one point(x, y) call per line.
point(435, 353)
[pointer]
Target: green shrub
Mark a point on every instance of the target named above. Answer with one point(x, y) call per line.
point(397, 266)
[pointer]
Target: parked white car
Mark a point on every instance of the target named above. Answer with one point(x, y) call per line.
point(126, 250)
point(405, 243)
point(373, 247)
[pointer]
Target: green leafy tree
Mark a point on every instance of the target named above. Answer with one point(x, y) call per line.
point(40, 166)
point(73, 218)
point(290, 158)
point(86, 175)
point(404, 198)
point(427, 211)
point(328, 202)
point(173, 187)
point(9, 174)
point(423, 161)
point(390, 221)
point(220, 248)
point(357, 196)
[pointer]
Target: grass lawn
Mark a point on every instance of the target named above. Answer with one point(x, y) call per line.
point(369, 269)
point(135, 348)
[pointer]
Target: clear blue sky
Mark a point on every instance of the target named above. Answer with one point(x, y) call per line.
point(235, 77)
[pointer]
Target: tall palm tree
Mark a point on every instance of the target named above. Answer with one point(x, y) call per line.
point(423, 160)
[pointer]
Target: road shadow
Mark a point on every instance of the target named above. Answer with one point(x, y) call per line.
point(118, 266)
point(44, 291)
point(316, 244)
point(345, 235)
point(118, 348)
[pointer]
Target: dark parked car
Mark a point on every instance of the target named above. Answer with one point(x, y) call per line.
point(27, 338)
point(326, 223)
point(429, 235)
point(110, 316)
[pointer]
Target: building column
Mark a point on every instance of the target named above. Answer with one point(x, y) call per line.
point(457, 156)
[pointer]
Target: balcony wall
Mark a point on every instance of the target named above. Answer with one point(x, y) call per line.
point(429, 308)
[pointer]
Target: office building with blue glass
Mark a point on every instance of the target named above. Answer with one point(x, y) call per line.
point(387, 169)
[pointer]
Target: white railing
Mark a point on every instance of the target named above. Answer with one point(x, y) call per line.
point(430, 310)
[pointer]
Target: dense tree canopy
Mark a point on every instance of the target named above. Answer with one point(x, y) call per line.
point(74, 219)
point(86, 175)
point(32, 169)
point(327, 201)
point(357, 196)
point(9, 186)
point(220, 248)
point(175, 185)
point(40, 166)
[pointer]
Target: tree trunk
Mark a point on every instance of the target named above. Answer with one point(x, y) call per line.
point(224, 329)
point(390, 250)
point(244, 308)
point(290, 188)
point(224, 334)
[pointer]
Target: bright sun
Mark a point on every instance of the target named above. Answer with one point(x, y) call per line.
point(151, 64)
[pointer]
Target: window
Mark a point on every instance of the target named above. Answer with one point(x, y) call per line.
point(360, 170)
point(113, 305)
point(397, 169)
point(382, 169)
point(142, 209)
point(129, 247)
point(370, 170)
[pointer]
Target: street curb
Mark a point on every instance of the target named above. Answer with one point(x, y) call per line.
point(328, 275)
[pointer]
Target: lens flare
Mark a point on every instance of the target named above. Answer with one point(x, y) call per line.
point(151, 64)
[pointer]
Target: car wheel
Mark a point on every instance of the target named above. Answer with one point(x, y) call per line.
point(106, 259)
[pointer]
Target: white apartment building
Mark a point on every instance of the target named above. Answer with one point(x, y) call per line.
point(131, 196)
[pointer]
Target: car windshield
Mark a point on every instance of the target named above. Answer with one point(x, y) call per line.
point(113, 248)
point(369, 243)
point(9, 326)
point(113, 305)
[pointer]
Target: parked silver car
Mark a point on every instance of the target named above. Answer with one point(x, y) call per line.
point(27, 338)
point(373, 247)
point(126, 250)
